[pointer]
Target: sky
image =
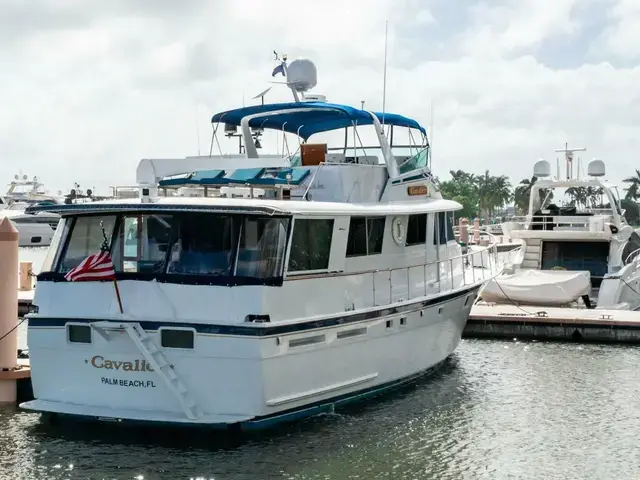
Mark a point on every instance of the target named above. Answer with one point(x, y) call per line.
point(90, 88)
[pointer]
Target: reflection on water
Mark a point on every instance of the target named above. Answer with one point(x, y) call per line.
point(497, 410)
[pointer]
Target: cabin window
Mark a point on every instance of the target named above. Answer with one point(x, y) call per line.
point(365, 236)
point(177, 338)
point(86, 239)
point(262, 247)
point(415, 162)
point(443, 231)
point(49, 261)
point(310, 245)
point(417, 230)
point(79, 333)
point(450, 234)
point(186, 247)
point(142, 243)
point(205, 245)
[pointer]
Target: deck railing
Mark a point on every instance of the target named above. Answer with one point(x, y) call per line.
point(476, 266)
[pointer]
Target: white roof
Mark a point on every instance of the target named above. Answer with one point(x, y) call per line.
point(268, 206)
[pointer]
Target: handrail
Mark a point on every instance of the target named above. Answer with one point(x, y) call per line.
point(304, 197)
point(438, 276)
point(633, 253)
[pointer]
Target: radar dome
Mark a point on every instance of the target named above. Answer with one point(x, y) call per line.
point(596, 168)
point(302, 75)
point(542, 169)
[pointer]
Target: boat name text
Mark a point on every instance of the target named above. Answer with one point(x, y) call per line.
point(98, 361)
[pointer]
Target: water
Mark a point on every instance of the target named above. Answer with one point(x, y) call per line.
point(498, 410)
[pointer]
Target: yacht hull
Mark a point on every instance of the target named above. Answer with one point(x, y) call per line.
point(279, 374)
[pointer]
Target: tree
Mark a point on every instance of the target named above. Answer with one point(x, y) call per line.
point(462, 189)
point(631, 211)
point(522, 194)
point(633, 190)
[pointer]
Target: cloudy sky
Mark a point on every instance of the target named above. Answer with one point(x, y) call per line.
point(87, 89)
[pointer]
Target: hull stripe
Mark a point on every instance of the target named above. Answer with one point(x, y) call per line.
point(267, 329)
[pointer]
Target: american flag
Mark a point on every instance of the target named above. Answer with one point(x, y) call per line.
point(98, 266)
point(95, 267)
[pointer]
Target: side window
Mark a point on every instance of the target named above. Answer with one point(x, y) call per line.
point(177, 338)
point(417, 230)
point(85, 239)
point(49, 261)
point(450, 234)
point(365, 236)
point(262, 247)
point(443, 230)
point(143, 242)
point(310, 245)
point(78, 333)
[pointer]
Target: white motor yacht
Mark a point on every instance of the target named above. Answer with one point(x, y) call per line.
point(582, 253)
point(274, 288)
point(35, 230)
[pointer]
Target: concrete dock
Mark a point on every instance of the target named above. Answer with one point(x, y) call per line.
point(545, 323)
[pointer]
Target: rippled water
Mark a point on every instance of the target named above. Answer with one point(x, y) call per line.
point(497, 410)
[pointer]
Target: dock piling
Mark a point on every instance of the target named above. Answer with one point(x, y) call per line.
point(8, 311)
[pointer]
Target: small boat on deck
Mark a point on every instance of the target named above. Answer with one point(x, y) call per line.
point(254, 289)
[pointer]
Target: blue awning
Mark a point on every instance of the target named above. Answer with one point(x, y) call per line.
point(317, 117)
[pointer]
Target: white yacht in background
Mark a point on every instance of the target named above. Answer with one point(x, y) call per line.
point(35, 230)
point(580, 254)
point(289, 286)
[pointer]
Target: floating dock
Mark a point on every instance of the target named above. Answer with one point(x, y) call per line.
point(553, 323)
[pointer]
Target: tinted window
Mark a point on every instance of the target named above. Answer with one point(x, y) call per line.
point(443, 231)
point(310, 245)
point(86, 239)
point(365, 236)
point(176, 338)
point(205, 245)
point(417, 229)
point(450, 234)
point(262, 247)
point(184, 243)
point(79, 333)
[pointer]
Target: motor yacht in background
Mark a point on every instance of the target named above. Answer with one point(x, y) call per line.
point(266, 288)
point(580, 254)
point(35, 230)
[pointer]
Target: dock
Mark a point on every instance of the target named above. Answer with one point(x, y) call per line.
point(553, 323)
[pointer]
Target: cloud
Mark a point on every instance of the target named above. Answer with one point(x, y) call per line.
point(90, 89)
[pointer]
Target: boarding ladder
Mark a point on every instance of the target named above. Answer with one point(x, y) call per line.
point(156, 359)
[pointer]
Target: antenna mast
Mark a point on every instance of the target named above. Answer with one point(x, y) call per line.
point(384, 75)
point(198, 127)
point(568, 155)
point(430, 139)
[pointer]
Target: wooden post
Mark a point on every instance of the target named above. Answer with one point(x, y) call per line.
point(8, 310)
point(26, 280)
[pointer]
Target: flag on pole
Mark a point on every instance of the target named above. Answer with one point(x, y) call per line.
point(98, 266)
point(278, 69)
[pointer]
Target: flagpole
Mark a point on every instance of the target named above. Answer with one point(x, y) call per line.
point(115, 285)
point(105, 248)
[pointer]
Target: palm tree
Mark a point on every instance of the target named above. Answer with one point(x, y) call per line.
point(523, 192)
point(501, 193)
point(633, 191)
point(485, 191)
